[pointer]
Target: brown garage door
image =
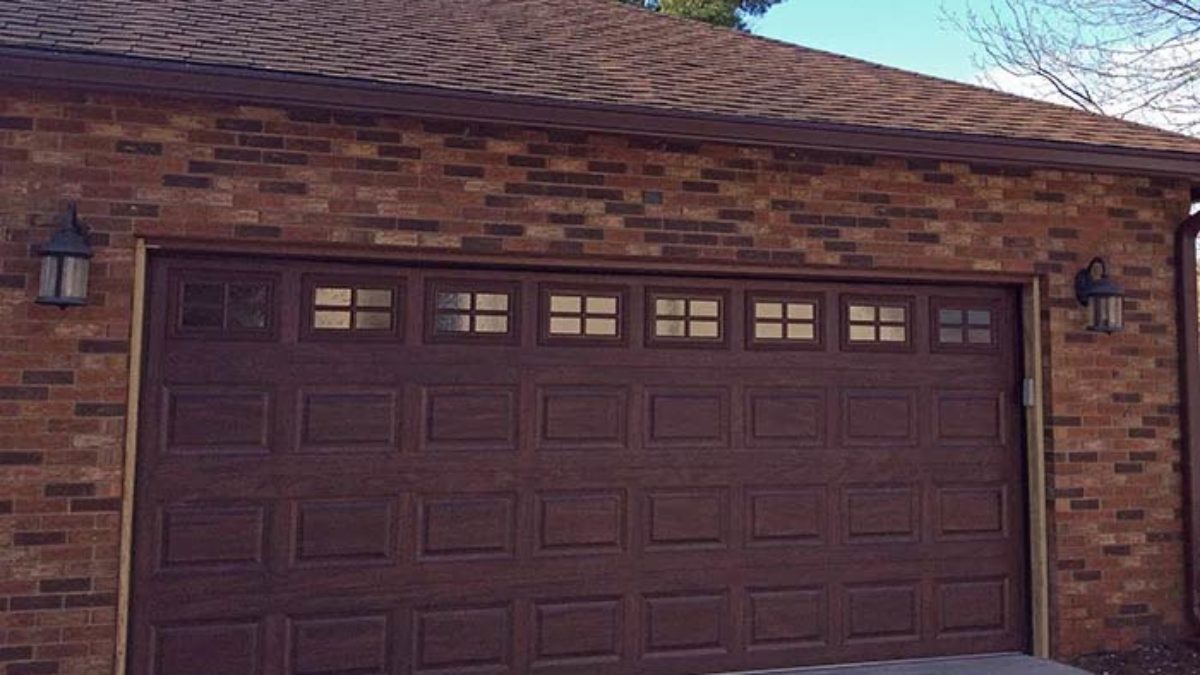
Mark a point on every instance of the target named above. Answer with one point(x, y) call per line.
point(368, 469)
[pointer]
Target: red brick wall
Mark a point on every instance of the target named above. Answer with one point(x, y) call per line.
point(152, 166)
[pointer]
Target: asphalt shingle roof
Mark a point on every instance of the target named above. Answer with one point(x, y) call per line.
point(574, 51)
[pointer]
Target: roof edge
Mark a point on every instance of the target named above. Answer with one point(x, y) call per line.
point(33, 67)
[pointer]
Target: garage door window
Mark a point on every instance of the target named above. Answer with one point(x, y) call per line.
point(684, 318)
point(578, 315)
point(783, 321)
point(472, 311)
point(348, 308)
point(223, 307)
point(877, 324)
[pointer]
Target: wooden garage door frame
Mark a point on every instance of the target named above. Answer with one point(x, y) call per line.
point(1031, 332)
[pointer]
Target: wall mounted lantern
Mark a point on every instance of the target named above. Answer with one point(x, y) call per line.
point(65, 261)
point(1103, 298)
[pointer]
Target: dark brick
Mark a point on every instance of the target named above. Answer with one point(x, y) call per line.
point(69, 489)
point(399, 152)
point(19, 123)
point(229, 124)
point(265, 142)
point(699, 186)
point(504, 230)
point(91, 600)
point(287, 158)
point(24, 393)
point(139, 148)
point(257, 231)
point(20, 458)
point(101, 346)
point(39, 538)
point(104, 504)
point(197, 182)
point(16, 653)
point(14, 281)
point(366, 164)
point(283, 187)
point(1085, 504)
point(924, 237)
point(527, 161)
point(32, 668)
point(132, 210)
point(73, 585)
point(463, 171)
point(84, 409)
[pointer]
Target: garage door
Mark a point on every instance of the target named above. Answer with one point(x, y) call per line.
point(372, 469)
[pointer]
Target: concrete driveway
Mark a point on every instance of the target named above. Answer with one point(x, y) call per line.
point(1003, 664)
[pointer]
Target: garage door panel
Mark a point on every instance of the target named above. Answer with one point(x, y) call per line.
point(320, 494)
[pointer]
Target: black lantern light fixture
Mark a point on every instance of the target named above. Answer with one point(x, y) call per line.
point(1104, 299)
point(65, 262)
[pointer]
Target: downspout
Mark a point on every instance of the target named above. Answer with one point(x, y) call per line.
point(1189, 412)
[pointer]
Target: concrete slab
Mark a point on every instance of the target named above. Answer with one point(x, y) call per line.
point(1000, 664)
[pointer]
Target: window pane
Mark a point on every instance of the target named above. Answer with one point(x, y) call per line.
point(202, 316)
point(979, 336)
point(891, 314)
point(950, 335)
point(705, 308)
point(950, 317)
point(705, 329)
point(801, 310)
point(979, 317)
point(565, 325)
point(606, 327)
point(372, 320)
point(862, 313)
point(332, 297)
point(248, 305)
point(768, 310)
point(491, 324)
point(203, 294)
point(567, 304)
point(862, 333)
point(374, 297)
point(801, 331)
point(491, 301)
point(768, 331)
point(670, 328)
point(331, 319)
point(454, 301)
point(601, 305)
point(453, 323)
point(892, 333)
point(670, 307)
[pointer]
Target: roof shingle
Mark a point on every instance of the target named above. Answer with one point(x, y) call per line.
point(583, 51)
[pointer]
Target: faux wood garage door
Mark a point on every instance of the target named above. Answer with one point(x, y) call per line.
point(369, 469)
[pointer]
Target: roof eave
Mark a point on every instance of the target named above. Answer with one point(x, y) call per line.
point(32, 67)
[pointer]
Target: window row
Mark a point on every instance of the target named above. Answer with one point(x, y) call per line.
point(480, 311)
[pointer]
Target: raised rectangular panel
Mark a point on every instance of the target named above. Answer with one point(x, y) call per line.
point(343, 644)
point(580, 522)
point(344, 531)
point(217, 648)
point(462, 639)
point(470, 418)
point(784, 417)
point(971, 511)
point(577, 632)
point(882, 613)
point(467, 526)
point(785, 515)
point(583, 417)
point(881, 513)
point(202, 420)
point(687, 417)
point(969, 417)
point(879, 416)
point(348, 421)
point(972, 606)
point(211, 535)
point(787, 617)
point(685, 624)
point(686, 518)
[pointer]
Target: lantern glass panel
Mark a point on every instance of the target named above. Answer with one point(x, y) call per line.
point(74, 278)
point(48, 285)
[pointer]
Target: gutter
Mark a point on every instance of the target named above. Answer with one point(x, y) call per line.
point(42, 68)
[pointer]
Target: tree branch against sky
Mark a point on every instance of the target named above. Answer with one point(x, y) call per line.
point(729, 13)
point(1136, 59)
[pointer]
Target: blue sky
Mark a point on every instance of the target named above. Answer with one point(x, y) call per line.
point(909, 34)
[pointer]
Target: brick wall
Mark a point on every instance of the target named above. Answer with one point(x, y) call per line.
point(153, 166)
